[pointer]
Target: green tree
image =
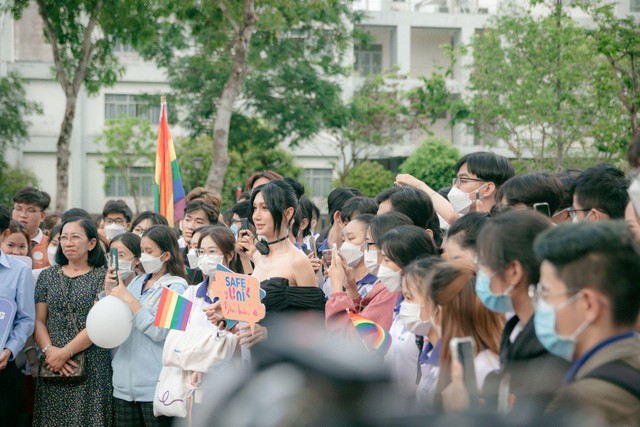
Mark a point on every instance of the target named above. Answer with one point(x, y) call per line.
point(14, 106)
point(275, 58)
point(12, 179)
point(369, 177)
point(252, 147)
point(81, 34)
point(433, 163)
point(379, 113)
point(129, 142)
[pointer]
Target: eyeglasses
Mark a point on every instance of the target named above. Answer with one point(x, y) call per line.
point(573, 213)
point(30, 211)
point(75, 238)
point(119, 221)
point(139, 230)
point(208, 251)
point(457, 182)
point(537, 293)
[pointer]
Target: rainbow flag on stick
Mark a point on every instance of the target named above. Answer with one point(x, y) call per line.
point(375, 337)
point(173, 311)
point(169, 199)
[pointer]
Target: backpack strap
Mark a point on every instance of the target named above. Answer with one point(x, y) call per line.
point(620, 374)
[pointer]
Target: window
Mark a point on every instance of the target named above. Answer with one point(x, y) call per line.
point(634, 6)
point(368, 59)
point(318, 181)
point(116, 105)
point(118, 47)
point(142, 179)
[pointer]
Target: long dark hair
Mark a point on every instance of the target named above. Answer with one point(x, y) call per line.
point(96, 256)
point(278, 196)
point(406, 243)
point(167, 241)
point(131, 241)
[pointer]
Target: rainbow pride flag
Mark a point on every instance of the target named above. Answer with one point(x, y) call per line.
point(374, 336)
point(173, 311)
point(169, 198)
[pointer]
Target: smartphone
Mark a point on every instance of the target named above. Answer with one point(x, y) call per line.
point(543, 208)
point(462, 352)
point(244, 223)
point(326, 257)
point(113, 258)
point(312, 246)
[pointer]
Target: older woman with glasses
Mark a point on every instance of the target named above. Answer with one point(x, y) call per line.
point(64, 295)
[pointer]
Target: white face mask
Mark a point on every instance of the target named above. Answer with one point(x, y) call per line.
point(371, 261)
point(125, 268)
point(51, 254)
point(113, 230)
point(151, 264)
point(409, 316)
point(634, 193)
point(209, 263)
point(192, 258)
point(351, 253)
point(389, 278)
point(459, 200)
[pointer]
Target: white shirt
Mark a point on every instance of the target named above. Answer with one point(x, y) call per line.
point(197, 316)
point(402, 357)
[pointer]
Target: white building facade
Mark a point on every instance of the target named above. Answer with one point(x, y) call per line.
point(406, 33)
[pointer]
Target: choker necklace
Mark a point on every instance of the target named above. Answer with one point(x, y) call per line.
point(263, 246)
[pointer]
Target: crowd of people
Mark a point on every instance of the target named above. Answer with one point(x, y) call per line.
point(538, 273)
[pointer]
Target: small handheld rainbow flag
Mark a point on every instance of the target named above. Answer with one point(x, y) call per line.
point(169, 198)
point(373, 335)
point(173, 311)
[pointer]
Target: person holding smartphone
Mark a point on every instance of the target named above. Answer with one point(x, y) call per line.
point(124, 259)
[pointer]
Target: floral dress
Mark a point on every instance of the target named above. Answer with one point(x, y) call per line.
point(73, 402)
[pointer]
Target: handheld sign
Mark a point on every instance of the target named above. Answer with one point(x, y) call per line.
point(7, 314)
point(239, 297)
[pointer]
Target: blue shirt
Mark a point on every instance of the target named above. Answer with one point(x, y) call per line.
point(366, 284)
point(434, 357)
point(573, 370)
point(202, 292)
point(16, 283)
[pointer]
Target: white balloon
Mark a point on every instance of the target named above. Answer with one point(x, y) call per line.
point(109, 322)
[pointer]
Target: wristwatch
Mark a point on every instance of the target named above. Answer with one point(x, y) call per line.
point(46, 347)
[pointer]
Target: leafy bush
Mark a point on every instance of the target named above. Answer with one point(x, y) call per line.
point(370, 177)
point(433, 163)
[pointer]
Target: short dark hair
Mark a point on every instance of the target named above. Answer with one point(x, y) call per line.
point(365, 219)
point(167, 240)
point(417, 205)
point(406, 243)
point(50, 221)
point(155, 218)
point(602, 187)
point(33, 196)
point(509, 237)
point(211, 211)
point(338, 198)
point(96, 255)
point(76, 212)
point(465, 229)
point(278, 196)
point(532, 188)
point(242, 209)
point(117, 206)
point(600, 255)
point(304, 211)
point(357, 206)
point(131, 241)
point(385, 222)
point(5, 218)
point(568, 178)
point(487, 166)
point(223, 238)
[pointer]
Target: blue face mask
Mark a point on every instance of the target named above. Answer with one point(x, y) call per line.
point(234, 230)
point(499, 303)
point(544, 321)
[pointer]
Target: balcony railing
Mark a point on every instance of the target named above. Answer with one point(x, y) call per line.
point(474, 7)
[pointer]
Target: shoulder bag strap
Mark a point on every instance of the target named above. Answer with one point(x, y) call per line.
point(620, 374)
point(66, 297)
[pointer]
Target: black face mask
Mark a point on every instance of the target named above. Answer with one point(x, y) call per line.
point(263, 246)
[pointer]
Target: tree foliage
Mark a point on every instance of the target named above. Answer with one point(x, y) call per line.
point(14, 178)
point(252, 147)
point(286, 78)
point(433, 163)
point(129, 143)
point(369, 177)
point(14, 106)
